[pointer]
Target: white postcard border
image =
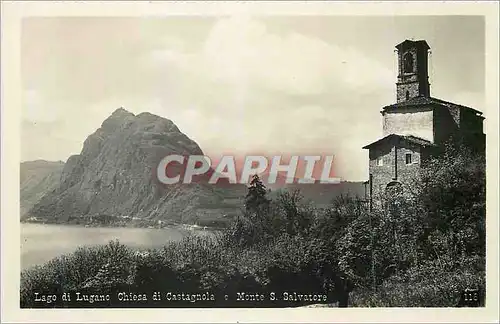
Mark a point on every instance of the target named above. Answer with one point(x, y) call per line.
point(12, 13)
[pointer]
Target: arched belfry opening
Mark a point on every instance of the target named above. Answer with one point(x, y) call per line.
point(408, 63)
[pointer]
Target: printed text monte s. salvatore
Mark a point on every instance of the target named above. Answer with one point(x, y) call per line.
point(285, 296)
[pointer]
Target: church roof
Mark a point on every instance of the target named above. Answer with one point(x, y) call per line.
point(408, 138)
point(422, 100)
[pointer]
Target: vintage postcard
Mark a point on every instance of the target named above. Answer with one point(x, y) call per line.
point(258, 161)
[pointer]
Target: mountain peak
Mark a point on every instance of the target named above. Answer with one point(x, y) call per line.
point(122, 111)
point(117, 118)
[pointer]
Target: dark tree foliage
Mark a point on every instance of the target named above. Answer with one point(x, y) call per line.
point(256, 200)
point(429, 240)
point(452, 198)
point(295, 220)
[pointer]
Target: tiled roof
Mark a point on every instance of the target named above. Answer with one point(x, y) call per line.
point(422, 100)
point(409, 138)
point(417, 140)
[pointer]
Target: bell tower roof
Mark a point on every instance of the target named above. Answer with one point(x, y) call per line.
point(411, 43)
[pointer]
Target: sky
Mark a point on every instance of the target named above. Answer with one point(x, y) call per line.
point(238, 85)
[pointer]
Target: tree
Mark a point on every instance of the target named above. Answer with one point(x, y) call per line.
point(289, 203)
point(453, 199)
point(252, 226)
point(256, 201)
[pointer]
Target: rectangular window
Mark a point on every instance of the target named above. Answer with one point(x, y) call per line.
point(408, 158)
point(380, 161)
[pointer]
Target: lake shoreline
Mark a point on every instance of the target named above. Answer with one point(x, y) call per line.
point(40, 243)
point(186, 227)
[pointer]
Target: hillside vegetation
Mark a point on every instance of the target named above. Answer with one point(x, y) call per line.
point(420, 248)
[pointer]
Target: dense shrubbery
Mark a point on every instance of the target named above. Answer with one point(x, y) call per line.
point(437, 283)
point(195, 264)
point(429, 244)
point(416, 250)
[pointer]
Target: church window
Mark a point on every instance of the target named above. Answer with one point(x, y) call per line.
point(408, 63)
point(408, 158)
point(380, 161)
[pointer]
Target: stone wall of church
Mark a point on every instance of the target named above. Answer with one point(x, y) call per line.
point(381, 175)
point(412, 88)
point(415, 121)
point(461, 123)
point(469, 122)
point(446, 123)
point(408, 173)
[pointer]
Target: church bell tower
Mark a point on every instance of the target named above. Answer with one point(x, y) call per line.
point(417, 127)
point(413, 75)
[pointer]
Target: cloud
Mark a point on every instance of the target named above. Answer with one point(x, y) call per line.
point(253, 90)
point(232, 84)
point(242, 52)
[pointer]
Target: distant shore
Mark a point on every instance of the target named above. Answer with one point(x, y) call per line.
point(131, 224)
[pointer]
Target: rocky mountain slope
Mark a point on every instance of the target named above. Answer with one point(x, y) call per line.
point(113, 180)
point(36, 179)
point(115, 175)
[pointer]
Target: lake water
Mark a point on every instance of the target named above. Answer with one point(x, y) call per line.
point(41, 243)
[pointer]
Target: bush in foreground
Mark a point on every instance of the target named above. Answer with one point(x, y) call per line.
point(195, 264)
point(432, 284)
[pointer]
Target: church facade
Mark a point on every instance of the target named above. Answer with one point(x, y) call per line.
point(417, 126)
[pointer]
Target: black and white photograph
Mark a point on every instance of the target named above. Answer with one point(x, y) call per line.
point(252, 160)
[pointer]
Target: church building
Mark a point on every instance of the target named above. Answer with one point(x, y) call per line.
point(417, 125)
